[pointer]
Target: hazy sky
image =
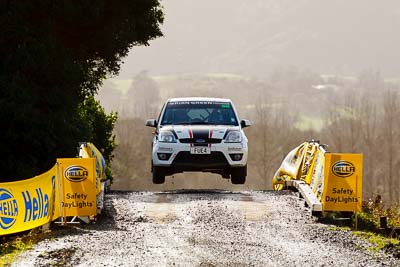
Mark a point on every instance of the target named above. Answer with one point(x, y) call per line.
point(253, 37)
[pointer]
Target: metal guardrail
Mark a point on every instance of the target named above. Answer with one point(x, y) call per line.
point(307, 193)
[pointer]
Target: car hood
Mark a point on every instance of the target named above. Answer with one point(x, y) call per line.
point(199, 132)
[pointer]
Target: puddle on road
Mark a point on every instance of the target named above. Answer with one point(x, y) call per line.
point(162, 198)
point(253, 210)
point(160, 209)
point(161, 212)
point(246, 198)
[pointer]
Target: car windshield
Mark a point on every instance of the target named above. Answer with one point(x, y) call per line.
point(198, 113)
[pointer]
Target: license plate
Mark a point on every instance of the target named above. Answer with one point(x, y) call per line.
point(200, 150)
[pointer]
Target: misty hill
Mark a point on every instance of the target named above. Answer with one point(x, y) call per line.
point(253, 37)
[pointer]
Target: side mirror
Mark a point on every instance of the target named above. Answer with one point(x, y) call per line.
point(151, 123)
point(245, 123)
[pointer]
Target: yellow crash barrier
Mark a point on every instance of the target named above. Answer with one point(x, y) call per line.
point(69, 189)
point(297, 165)
point(335, 179)
point(30, 203)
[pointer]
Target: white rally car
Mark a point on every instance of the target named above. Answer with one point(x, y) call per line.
point(199, 134)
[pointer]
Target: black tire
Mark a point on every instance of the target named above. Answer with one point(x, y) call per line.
point(238, 175)
point(158, 176)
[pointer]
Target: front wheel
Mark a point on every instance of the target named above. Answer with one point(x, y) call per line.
point(238, 175)
point(158, 175)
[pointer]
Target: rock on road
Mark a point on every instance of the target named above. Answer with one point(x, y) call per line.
point(204, 228)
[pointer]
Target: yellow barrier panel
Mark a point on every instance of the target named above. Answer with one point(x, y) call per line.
point(69, 189)
point(290, 167)
point(28, 204)
point(343, 182)
point(308, 169)
point(78, 183)
point(310, 150)
point(297, 165)
point(317, 177)
point(88, 150)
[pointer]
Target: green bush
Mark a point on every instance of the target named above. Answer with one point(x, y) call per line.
point(373, 210)
point(367, 222)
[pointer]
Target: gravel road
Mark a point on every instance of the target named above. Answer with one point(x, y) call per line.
point(204, 228)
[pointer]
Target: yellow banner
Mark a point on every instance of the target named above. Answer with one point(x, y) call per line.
point(78, 183)
point(309, 159)
point(289, 168)
point(28, 204)
point(343, 182)
point(88, 150)
point(317, 178)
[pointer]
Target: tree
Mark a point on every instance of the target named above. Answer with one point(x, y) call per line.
point(54, 55)
point(110, 97)
point(143, 96)
point(391, 112)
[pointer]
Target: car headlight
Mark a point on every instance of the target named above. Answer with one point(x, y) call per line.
point(167, 137)
point(233, 137)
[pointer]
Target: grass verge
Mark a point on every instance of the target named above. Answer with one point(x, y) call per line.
point(10, 248)
point(380, 242)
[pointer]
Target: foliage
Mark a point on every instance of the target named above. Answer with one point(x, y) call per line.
point(369, 217)
point(366, 221)
point(54, 55)
point(393, 214)
point(373, 209)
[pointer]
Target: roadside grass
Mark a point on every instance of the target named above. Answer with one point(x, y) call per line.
point(378, 241)
point(369, 228)
point(338, 228)
point(10, 249)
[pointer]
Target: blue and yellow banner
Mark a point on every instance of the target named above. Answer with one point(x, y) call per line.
point(28, 204)
point(68, 189)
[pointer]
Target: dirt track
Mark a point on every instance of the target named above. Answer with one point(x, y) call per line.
point(208, 228)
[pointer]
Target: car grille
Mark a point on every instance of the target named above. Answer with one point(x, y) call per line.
point(186, 160)
point(194, 141)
